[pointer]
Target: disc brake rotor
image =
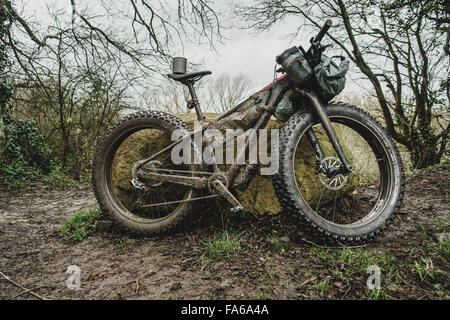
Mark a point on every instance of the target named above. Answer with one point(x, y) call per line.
point(336, 181)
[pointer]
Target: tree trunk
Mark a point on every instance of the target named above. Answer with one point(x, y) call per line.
point(2, 135)
point(5, 91)
point(424, 156)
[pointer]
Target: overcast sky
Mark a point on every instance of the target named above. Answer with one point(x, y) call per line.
point(244, 52)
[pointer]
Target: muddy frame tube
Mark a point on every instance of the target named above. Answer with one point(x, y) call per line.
point(277, 92)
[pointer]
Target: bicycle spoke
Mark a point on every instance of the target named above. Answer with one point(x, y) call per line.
point(340, 199)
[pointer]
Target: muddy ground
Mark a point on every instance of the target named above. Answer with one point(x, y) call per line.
point(412, 254)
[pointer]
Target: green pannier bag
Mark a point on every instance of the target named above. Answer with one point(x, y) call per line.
point(285, 108)
point(330, 76)
point(327, 78)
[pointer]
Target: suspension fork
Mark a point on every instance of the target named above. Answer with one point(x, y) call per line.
point(316, 146)
point(319, 108)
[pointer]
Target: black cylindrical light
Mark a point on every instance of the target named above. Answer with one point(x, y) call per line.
point(179, 65)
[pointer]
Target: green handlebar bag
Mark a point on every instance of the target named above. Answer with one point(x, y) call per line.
point(330, 76)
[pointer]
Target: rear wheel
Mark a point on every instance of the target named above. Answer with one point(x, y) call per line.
point(150, 207)
point(350, 209)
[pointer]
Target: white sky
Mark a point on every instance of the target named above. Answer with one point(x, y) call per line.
point(245, 52)
point(253, 53)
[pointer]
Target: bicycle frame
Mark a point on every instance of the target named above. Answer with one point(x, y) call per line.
point(277, 90)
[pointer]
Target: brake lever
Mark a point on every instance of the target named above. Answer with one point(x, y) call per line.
point(315, 52)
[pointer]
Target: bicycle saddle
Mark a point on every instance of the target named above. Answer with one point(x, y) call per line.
point(186, 77)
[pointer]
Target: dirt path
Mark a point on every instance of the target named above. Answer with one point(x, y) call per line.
point(34, 255)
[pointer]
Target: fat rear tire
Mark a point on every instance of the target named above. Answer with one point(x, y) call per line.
point(103, 190)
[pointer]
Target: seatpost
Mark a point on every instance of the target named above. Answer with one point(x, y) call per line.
point(194, 102)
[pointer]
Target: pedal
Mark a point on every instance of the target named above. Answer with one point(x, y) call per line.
point(135, 183)
point(224, 192)
point(236, 209)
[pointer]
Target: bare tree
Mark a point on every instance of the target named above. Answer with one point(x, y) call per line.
point(398, 46)
point(217, 95)
point(170, 97)
point(154, 26)
point(73, 87)
point(226, 92)
point(5, 89)
point(156, 18)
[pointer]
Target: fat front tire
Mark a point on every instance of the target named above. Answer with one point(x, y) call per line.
point(369, 201)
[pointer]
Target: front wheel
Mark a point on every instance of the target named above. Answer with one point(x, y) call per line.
point(348, 209)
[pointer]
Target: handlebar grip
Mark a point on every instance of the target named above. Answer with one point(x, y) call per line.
point(323, 31)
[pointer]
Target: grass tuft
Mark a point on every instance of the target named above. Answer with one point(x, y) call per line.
point(225, 245)
point(80, 225)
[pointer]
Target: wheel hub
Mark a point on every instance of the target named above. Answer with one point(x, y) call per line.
point(329, 174)
point(152, 166)
point(217, 176)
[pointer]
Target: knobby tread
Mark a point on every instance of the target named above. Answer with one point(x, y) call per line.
point(134, 227)
point(286, 194)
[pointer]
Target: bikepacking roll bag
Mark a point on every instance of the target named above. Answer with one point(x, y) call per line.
point(327, 78)
point(296, 66)
point(299, 72)
point(330, 76)
point(245, 113)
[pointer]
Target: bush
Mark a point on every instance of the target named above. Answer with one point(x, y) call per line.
point(25, 144)
point(26, 155)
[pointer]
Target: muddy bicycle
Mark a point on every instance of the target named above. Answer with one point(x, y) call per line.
point(340, 175)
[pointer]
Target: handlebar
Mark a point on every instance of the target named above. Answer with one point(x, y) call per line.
point(314, 53)
point(323, 31)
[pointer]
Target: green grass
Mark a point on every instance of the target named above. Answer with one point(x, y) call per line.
point(56, 179)
point(124, 241)
point(377, 294)
point(443, 249)
point(265, 274)
point(224, 245)
point(426, 270)
point(323, 286)
point(276, 244)
point(35, 180)
point(348, 264)
point(357, 258)
point(80, 225)
point(262, 294)
point(363, 258)
point(301, 296)
point(425, 245)
point(415, 171)
point(421, 272)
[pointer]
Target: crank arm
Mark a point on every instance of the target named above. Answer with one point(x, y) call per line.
point(224, 192)
point(195, 182)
